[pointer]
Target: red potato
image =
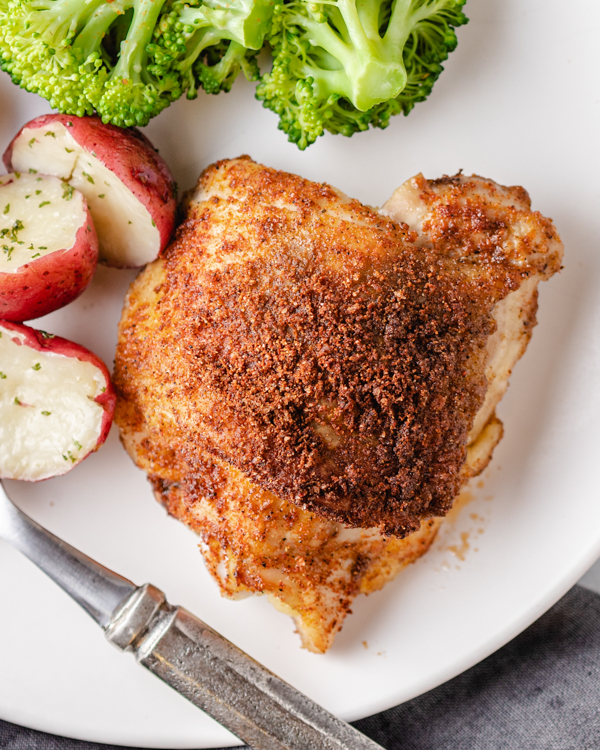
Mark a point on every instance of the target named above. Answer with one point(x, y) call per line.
point(48, 245)
point(128, 186)
point(56, 403)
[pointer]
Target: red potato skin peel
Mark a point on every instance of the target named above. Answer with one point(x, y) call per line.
point(44, 342)
point(48, 283)
point(130, 157)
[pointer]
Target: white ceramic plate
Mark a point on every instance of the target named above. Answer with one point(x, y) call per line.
point(519, 102)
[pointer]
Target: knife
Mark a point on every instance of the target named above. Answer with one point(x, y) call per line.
point(260, 708)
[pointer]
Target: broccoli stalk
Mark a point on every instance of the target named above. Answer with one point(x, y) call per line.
point(343, 65)
point(128, 59)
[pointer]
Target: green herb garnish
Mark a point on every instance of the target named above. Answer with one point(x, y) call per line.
point(11, 234)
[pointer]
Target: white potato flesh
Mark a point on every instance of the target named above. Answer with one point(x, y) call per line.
point(48, 417)
point(38, 215)
point(127, 235)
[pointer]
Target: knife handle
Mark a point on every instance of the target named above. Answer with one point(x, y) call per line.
point(257, 706)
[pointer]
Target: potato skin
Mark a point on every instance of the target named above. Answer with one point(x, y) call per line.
point(46, 342)
point(130, 156)
point(52, 281)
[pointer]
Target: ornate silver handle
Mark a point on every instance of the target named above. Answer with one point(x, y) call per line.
point(256, 705)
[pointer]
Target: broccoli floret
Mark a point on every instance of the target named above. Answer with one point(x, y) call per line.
point(345, 65)
point(138, 87)
point(128, 59)
point(210, 42)
point(86, 56)
point(35, 50)
point(219, 66)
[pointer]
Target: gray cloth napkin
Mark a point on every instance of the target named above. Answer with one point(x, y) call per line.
point(541, 691)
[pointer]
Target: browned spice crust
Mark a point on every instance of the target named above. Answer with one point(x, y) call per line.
point(306, 341)
point(252, 541)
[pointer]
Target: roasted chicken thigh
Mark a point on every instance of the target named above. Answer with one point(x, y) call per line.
point(309, 382)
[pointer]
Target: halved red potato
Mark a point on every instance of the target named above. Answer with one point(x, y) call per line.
point(128, 186)
point(48, 245)
point(56, 403)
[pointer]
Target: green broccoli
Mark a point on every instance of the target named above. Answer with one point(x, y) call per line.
point(219, 65)
point(208, 43)
point(345, 65)
point(338, 65)
point(128, 59)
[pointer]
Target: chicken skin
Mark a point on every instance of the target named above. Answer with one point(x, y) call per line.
point(309, 382)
